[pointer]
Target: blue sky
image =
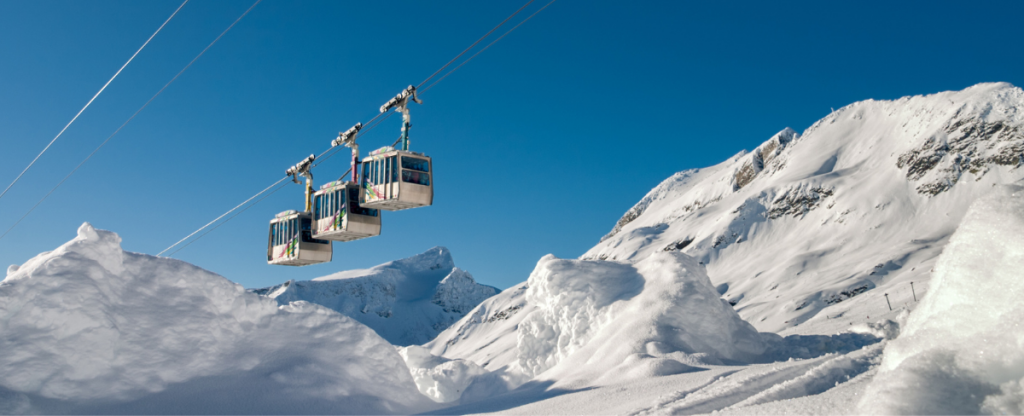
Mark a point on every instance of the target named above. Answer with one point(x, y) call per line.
point(539, 145)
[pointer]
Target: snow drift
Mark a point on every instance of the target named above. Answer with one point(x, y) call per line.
point(90, 328)
point(588, 320)
point(441, 379)
point(597, 318)
point(960, 352)
point(406, 301)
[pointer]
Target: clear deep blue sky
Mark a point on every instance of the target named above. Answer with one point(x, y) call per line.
point(539, 145)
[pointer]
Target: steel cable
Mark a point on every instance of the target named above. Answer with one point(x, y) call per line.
point(485, 48)
point(333, 150)
point(474, 44)
point(90, 101)
point(128, 121)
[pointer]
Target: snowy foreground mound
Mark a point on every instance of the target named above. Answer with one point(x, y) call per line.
point(961, 350)
point(90, 328)
point(406, 301)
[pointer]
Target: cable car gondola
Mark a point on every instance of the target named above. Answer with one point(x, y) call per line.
point(338, 216)
point(290, 241)
point(396, 179)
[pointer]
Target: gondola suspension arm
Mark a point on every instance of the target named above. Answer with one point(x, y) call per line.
point(401, 103)
point(302, 168)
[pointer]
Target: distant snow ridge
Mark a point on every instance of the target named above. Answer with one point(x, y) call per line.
point(865, 198)
point(960, 352)
point(90, 328)
point(406, 301)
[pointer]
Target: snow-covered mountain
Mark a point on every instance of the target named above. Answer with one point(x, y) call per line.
point(865, 198)
point(407, 301)
point(91, 329)
point(813, 233)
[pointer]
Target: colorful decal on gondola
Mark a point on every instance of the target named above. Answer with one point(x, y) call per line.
point(336, 220)
point(384, 149)
point(372, 192)
point(292, 247)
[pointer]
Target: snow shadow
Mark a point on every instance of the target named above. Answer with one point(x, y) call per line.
point(531, 392)
point(812, 346)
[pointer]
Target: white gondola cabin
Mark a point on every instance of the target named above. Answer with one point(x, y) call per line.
point(394, 180)
point(338, 216)
point(292, 243)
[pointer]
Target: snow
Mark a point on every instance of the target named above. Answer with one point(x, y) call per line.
point(90, 328)
point(823, 223)
point(407, 301)
point(961, 349)
point(825, 240)
point(441, 379)
point(617, 320)
point(828, 238)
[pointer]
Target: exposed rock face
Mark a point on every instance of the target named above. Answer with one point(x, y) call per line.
point(965, 145)
point(763, 156)
point(798, 201)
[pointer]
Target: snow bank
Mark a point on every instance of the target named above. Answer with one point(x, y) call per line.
point(408, 301)
point(617, 320)
point(89, 328)
point(961, 350)
point(439, 378)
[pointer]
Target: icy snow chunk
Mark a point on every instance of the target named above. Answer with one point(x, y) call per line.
point(660, 316)
point(438, 378)
point(884, 329)
point(960, 350)
point(89, 328)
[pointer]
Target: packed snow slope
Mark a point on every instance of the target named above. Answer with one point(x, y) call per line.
point(406, 301)
point(862, 202)
point(960, 351)
point(90, 328)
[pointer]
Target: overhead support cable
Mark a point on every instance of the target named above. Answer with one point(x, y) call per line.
point(485, 48)
point(326, 154)
point(91, 100)
point(225, 214)
point(474, 44)
point(127, 121)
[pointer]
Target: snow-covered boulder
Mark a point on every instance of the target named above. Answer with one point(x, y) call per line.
point(90, 328)
point(618, 320)
point(406, 301)
point(961, 351)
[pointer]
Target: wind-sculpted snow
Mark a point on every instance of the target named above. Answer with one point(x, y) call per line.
point(439, 378)
point(90, 328)
point(594, 319)
point(819, 224)
point(960, 351)
point(406, 301)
